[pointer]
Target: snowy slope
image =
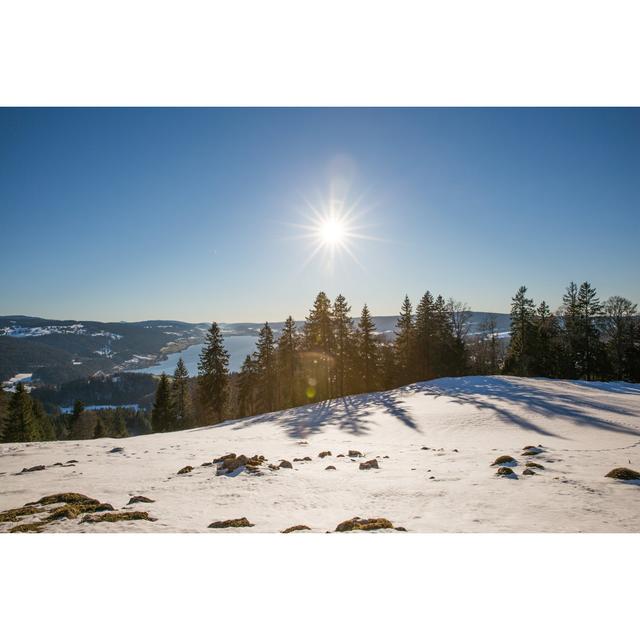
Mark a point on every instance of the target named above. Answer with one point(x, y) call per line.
point(585, 429)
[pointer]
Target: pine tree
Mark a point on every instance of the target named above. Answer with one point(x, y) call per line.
point(519, 358)
point(343, 342)
point(318, 342)
point(367, 352)
point(99, 431)
point(247, 380)
point(120, 426)
point(265, 358)
point(213, 370)
point(404, 344)
point(163, 414)
point(20, 423)
point(424, 337)
point(621, 328)
point(590, 348)
point(288, 366)
point(180, 396)
point(546, 350)
point(570, 332)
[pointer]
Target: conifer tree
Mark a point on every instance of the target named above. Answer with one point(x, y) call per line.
point(318, 342)
point(265, 358)
point(99, 431)
point(425, 335)
point(163, 414)
point(247, 381)
point(120, 425)
point(180, 396)
point(367, 352)
point(404, 344)
point(520, 353)
point(589, 310)
point(343, 342)
point(288, 366)
point(546, 346)
point(571, 331)
point(20, 423)
point(621, 327)
point(213, 370)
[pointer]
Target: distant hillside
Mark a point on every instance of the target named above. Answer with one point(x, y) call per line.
point(58, 351)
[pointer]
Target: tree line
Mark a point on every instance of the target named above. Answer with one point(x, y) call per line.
point(331, 355)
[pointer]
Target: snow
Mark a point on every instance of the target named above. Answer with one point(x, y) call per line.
point(102, 407)
point(584, 429)
point(16, 331)
point(11, 383)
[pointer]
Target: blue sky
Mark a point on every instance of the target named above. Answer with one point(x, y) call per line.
point(191, 214)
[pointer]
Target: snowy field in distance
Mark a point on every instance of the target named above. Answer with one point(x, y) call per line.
point(584, 429)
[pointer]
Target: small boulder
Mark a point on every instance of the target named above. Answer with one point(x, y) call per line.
point(187, 469)
point(285, 464)
point(330, 468)
point(506, 472)
point(297, 527)
point(354, 454)
point(39, 467)
point(399, 528)
point(73, 461)
point(622, 473)
point(504, 461)
point(340, 455)
point(533, 465)
point(370, 464)
point(117, 450)
point(425, 448)
point(236, 522)
point(139, 499)
point(360, 524)
point(529, 472)
point(324, 454)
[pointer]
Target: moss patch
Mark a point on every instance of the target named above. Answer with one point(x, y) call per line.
point(534, 465)
point(324, 454)
point(187, 469)
point(72, 511)
point(32, 527)
point(506, 471)
point(12, 515)
point(370, 464)
point(139, 499)
point(236, 522)
point(118, 516)
point(529, 472)
point(360, 524)
point(297, 527)
point(330, 468)
point(39, 467)
point(622, 473)
point(502, 460)
point(354, 454)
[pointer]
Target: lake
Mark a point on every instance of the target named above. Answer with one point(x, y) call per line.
point(238, 347)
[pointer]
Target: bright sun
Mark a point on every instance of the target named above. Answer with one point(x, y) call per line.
point(332, 231)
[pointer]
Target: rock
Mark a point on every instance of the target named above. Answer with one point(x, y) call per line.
point(529, 472)
point(385, 456)
point(117, 516)
point(622, 473)
point(506, 472)
point(425, 448)
point(207, 464)
point(285, 464)
point(359, 524)
point(534, 465)
point(39, 467)
point(12, 515)
point(354, 454)
point(273, 467)
point(307, 459)
point(370, 464)
point(297, 527)
point(456, 451)
point(302, 442)
point(74, 461)
point(184, 470)
point(330, 468)
point(340, 455)
point(224, 524)
point(504, 460)
point(432, 477)
point(230, 462)
point(117, 450)
point(324, 454)
point(66, 498)
point(400, 529)
point(139, 499)
point(532, 452)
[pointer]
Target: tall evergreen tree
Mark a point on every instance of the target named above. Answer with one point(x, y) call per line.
point(343, 342)
point(318, 336)
point(546, 344)
point(520, 355)
point(570, 331)
point(180, 396)
point(425, 337)
point(247, 382)
point(20, 423)
point(367, 352)
point(288, 365)
point(590, 350)
point(213, 370)
point(265, 358)
point(163, 417)
point(404, 344)
point(100, 430)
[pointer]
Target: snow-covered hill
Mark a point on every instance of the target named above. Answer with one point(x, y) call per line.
point(434, 444)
